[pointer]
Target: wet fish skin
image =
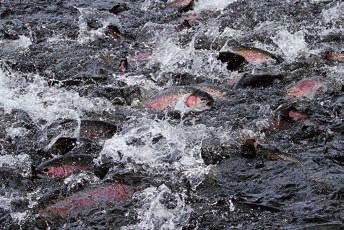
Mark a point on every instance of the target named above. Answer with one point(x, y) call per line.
point(115, 32)
point(188, 21)
point(118, 8)
point(189, 97)
point(63, 145)
point(307, 88)
point(296, 116)
point(213, 90)
point(284, 116)
point(231, 82)
point(63, 171)
point(96, 129)
point(123, 66)
point(180, 4)
point(256, 56)
point(62, 167)
point(335, 56)
point(250, 80)
point(82, 201)
point(234, 61)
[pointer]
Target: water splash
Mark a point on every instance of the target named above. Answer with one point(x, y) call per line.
point(8, 197)
point(134, 80)
point(88, 35)
point(16, 132)
point(173, 58)
point(20, 45)
point(333, 13)
point(201, 5)
point(161, 209)
point(160, 145)
point(20, 163)
point(292, 44)
point(41, 101)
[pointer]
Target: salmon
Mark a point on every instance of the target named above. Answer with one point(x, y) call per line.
point(114, 32)
point(231, 82)
point(182, 98)
point(284, 116)
point(94, 129)
point(82, 201)
point(213, 90)
point(123, 65)
point(261, 80)
point(181, 4)
point(307, 88)
point(335, 56)
point(240, 56)
point(119, 8)
point(64, 166)
point(255, 55)
point(296, 116)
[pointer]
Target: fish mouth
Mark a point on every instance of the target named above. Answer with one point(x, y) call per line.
point(199, 101)
point(205, 98)
point(39, 172)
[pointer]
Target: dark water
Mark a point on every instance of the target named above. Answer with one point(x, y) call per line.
point(66, 65)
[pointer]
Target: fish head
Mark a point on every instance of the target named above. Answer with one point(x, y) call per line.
point(57, 171)
point(48, 171)
point(199, 101)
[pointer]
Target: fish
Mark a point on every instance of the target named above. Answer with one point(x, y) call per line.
point(188, 21)
point(62, 145)
point(335, 56)
point(114, 31)
point(284, 116)
point(261, 80)
point(307, 88)
point(141, 56)
point(119, 8)
point(251, 148)
point(123, 65)
point(233, 61)
point(182, 98)
point(240, 56)
point(296, 116)
point(231, 82)
point(95, 129)
point(181, 4)
point(64, 166)
point(81, 202)
point(256, 56)
point(216, 92)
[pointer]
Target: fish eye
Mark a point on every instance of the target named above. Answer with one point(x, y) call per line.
point(45, 170)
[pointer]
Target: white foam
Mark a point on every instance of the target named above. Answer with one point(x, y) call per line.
point(87, 35)
point(160, 146)
point(20, 45)
point(7, 198)
point(292, 44)
point(148, 4)
point(16, 132)
point(173, 58)
point(20, 163)
point(134, 80)
point(230, 32)
point(41, 101)
point(154, 214)
point(201, 5)
point(336, 74)
point(176, 140)
point(333, 13)
point(77, 180)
